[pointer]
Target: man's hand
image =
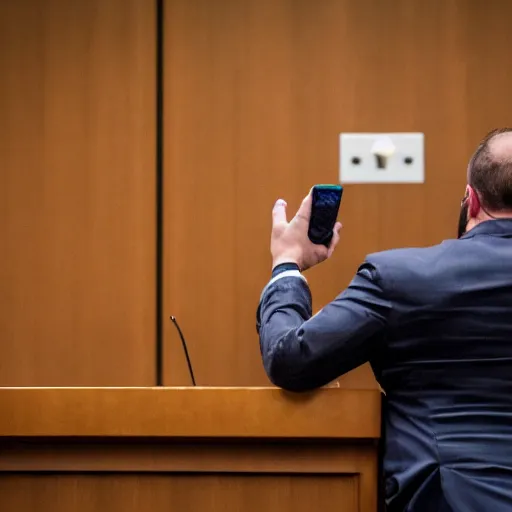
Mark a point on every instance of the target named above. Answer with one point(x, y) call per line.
point(290, 242)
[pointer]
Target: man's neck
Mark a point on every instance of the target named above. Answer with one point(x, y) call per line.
point(493, 215)
point(484, 216)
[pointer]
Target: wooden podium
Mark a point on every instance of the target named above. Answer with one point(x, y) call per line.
point(188, 450)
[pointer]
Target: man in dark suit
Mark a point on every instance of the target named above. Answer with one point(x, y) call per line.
point(436, 325)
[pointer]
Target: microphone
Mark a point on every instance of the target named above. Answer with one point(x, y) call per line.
point(184, 344)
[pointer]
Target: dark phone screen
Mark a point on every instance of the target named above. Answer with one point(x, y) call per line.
point(324, 212)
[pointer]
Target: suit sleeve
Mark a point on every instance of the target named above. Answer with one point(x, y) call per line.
point(301, 352)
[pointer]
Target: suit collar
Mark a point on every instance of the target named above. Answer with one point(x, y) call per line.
point(497, 227)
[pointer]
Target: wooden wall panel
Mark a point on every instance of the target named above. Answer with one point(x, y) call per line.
point(77, 192)
point(256, 93)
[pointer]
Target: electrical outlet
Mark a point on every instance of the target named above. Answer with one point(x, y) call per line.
point(382, 158)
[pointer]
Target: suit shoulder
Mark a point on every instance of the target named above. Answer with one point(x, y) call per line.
point(408, 253)
point(409, 260)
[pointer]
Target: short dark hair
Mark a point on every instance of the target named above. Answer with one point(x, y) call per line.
point(490, 175)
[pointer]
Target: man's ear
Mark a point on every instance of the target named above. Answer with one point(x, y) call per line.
point(473, 203)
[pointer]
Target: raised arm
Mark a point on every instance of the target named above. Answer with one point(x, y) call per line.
point(301, 352)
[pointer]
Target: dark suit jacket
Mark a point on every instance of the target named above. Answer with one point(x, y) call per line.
point(436, 325)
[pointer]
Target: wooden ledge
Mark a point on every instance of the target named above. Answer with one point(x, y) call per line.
point(330, 413)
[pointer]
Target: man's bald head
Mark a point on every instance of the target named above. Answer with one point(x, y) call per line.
point(500, 146)
point(490, 170)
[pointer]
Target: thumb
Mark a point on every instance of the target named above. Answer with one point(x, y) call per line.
point(335, 238)
point(279, 212)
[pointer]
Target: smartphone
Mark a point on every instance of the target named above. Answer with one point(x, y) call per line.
point(324, 213)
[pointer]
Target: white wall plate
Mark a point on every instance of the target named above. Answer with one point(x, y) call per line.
point(358, 164)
